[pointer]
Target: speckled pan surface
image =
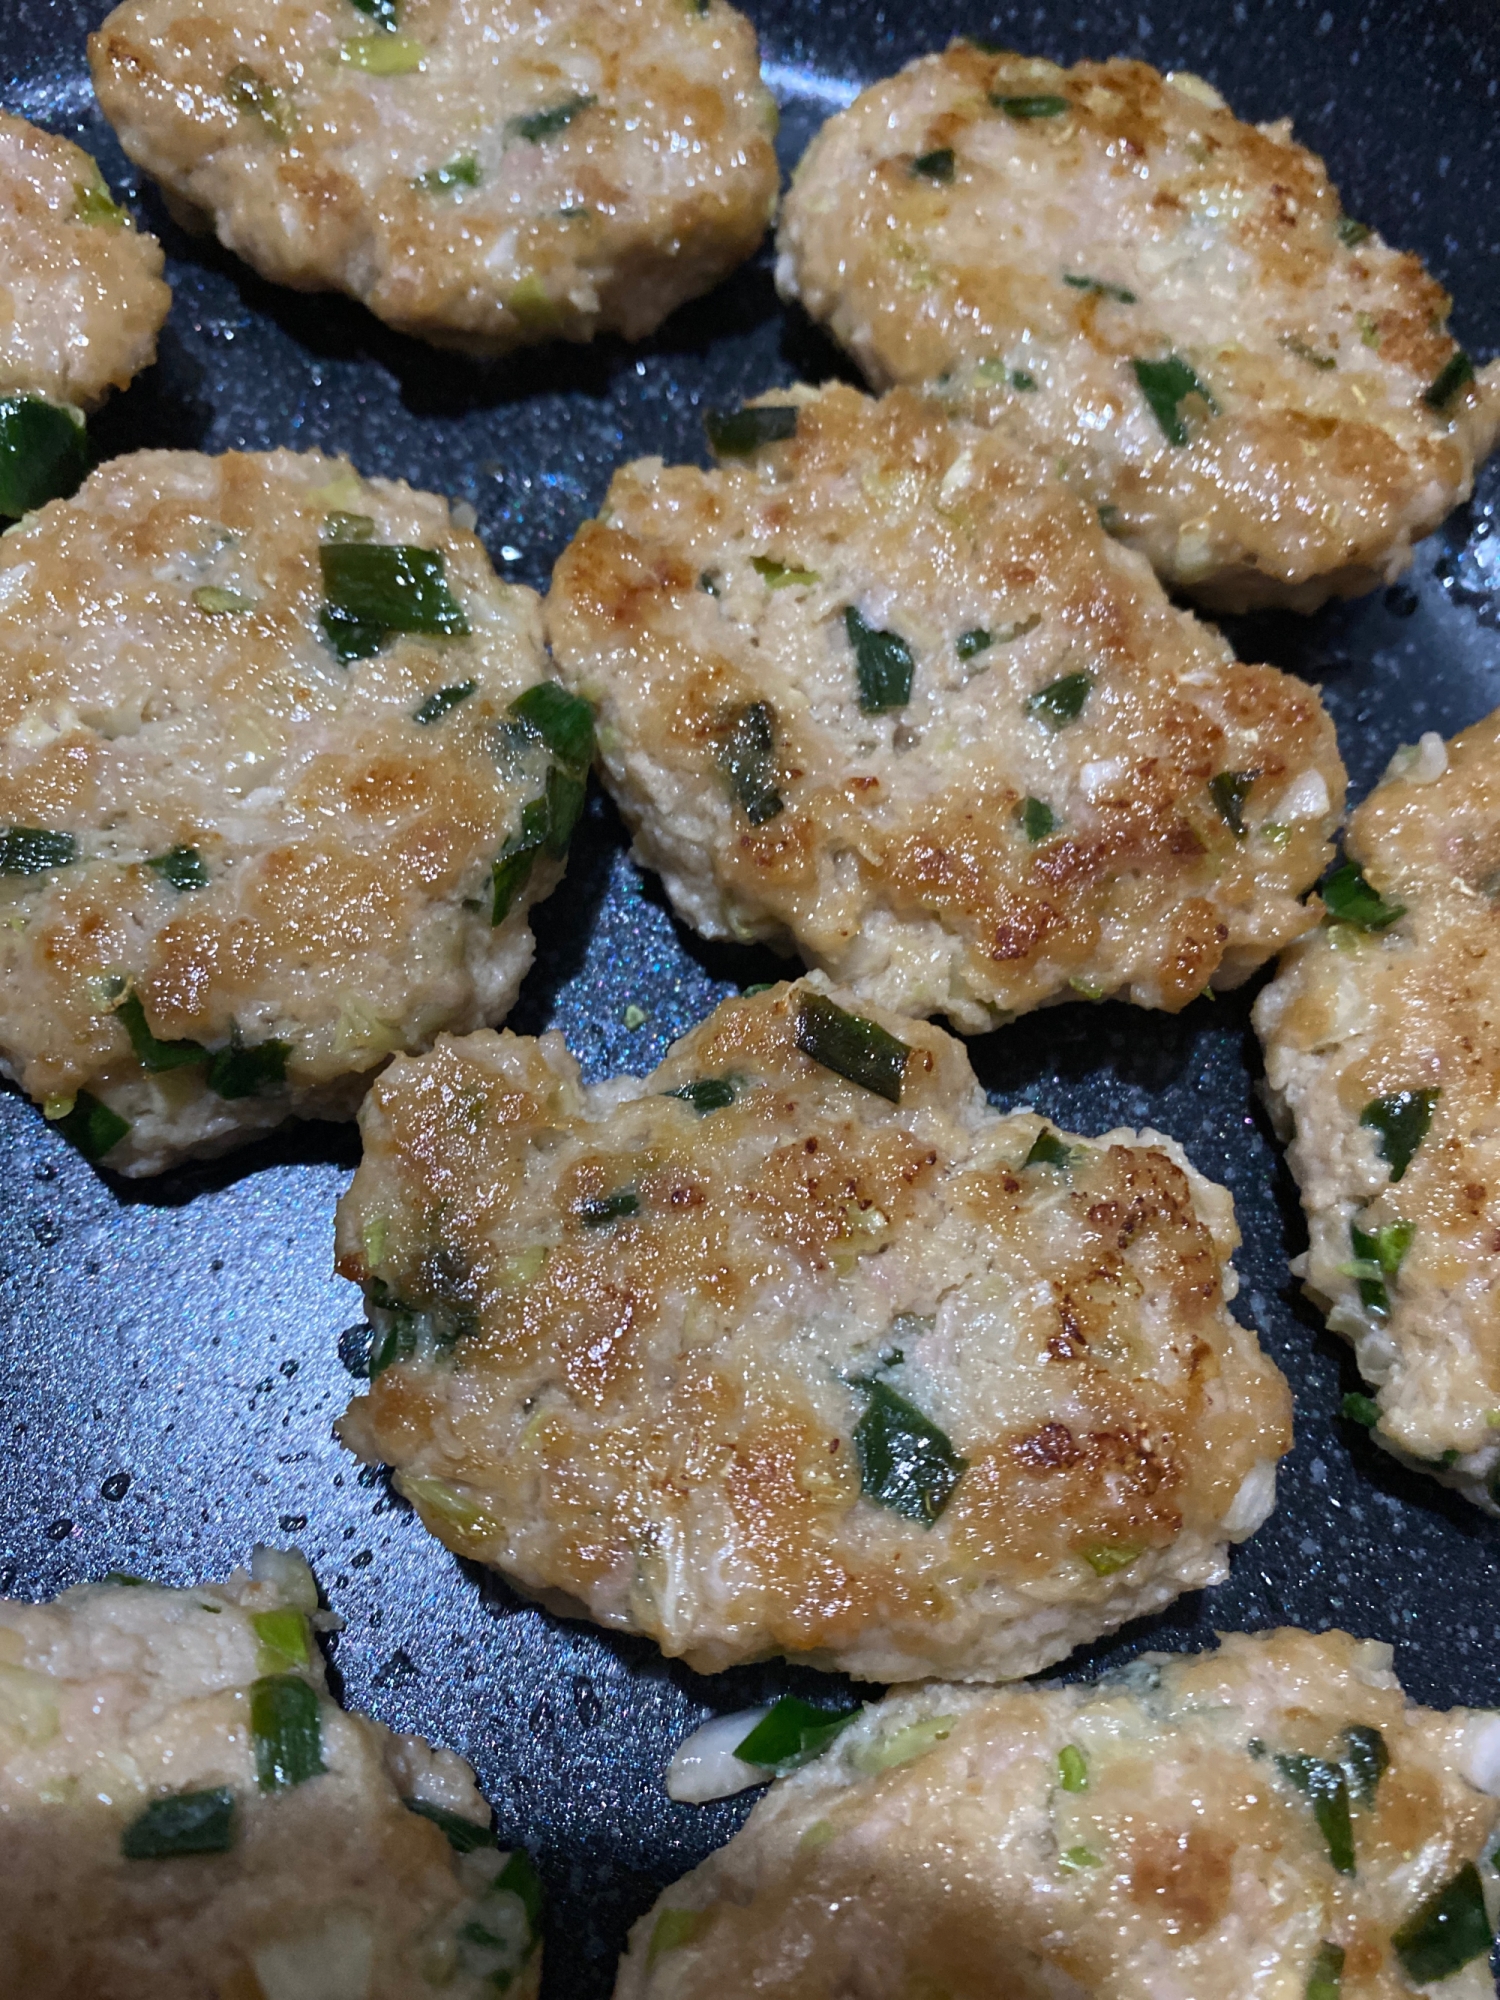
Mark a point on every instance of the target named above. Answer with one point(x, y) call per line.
point(170, 1352)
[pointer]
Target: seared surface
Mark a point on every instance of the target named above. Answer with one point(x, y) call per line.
point(901, 859)
point(937, 1841)
point(639, 1338)
point(480, 173)
point(1314, 461)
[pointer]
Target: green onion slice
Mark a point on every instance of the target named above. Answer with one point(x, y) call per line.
point(382, 12)
point(1072, 1769)
point(43, 454)
point(94, 204)
point(883, 662)
point(905, 1462)
point(154, 1056)
point(539, 125)
point(1325, 1975)
point(934, 166)
point(377, 587)
point(793, 1734)
point(1446, 1931)
point(92, 1127)
point(747, 757)
point(1400, 1121)
point(286, 1731)
point(1229, 791)
point(599, 1213)
point(563, 721)
point(1167, 385)
point(1366, 1760)
point(181, 868)
point(248, 91)
point(1031, 107)
point(1061, 701)
point(1037, 819)
point(739, 433)
point(1047, 1150)
point(462, 1835)
point(977, 640)
point(512, 871)
point(462, 172)
point(283, 1640)
point(33, 850)
point(1328, 1791)
point(782, 576)
point(1455, 375)
point(1350, 232)
point(1360, 1409)
point(708, 1093)
point(237, 1071)
point(851, 1046)
point(1100, 286)
point(1351, 900)
point(437, 705)
point(186, 1823)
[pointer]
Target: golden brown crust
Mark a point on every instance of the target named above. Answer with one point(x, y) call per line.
point(651, 1417)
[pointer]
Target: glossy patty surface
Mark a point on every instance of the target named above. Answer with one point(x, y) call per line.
point(1145, 1837)
point(656, 1348)
point(81, 291)
point(205, 814)
point(1024, 237)
point(481, 173)
point(123, 1705)
point(1383, 1058)
point(1078, 791)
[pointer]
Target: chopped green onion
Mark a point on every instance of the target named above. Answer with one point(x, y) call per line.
point(1107, 1558)
point(341, 526)
point(747, 757)
point(187, 1823)
point(437, 705)
point(851, 1046)
point(977, 640)
point(512, 871)
point(1072, 1769)
point(1167, 385)
point(708, 582)
point(1455, 375)
point(934, 166)
point(1303, 352)
point(1366, 1760)
point(286, 1731)
point(383, 12)
point(793, 1734)
point(597, 1214)
point(1379, 1252)
point(375, 588)
point(283, 1640)
point(238, 1071)
point(563, 721)
point(1360, 1409)
point(1061, 701)
point(462, 1835)
point(709, 1093)
point(1019, 379)
point(94, 204)
point(44, 454)
point(383, 55)
point(519, 1878)
point(249, 92)
point(215, 602)
point(1351, 232)
point(1351, 900)
point(1047, 1150)
point(1400, 1121)
point(675, 1928)
point(1031, 107)
point(154, 1056)
point(32, 850)
point(92, 1127)
point(1326, 1788)
point(1038, 820)
point(462, 172)
point(739, 433)
point(780, 575)
point(884, 664)
point(1101, 286)
point(1325, 1976)
point(1446, 1931)
point(1229, 791)
point(540, 125)
point(905, 1462)
point(1079, 1857)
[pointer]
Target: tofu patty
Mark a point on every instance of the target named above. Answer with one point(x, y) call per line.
point(277, 784)
point(184, 1812)
point(1382, 1041)
point(81, 291)
point(795, 1346)
point(1256, 391)
point(1271, 1819)
point(480, 173)
point(880, 693)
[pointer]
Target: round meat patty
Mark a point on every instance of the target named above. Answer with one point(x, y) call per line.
point(1382, 1040)
point(477, 172)
point(81, 291)
point(279, 777)
point(1254, 389)
point(795, 1346)
point(877, 691)
point(1273, 1818)
point(184, 1811)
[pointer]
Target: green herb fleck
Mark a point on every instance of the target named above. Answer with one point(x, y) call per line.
point(974, 641)
point(1351, 900)
point(372, 589)
point(1455, 375)
point(1378, 1255)
point(341, 526)
point(934, 166)
point(780, 575)
point(1038, 821)
point(1031, 107)
point(1326, 1788)
point(883, 662)
point(187, 1823)
point(154, 1056)
point(1369, 329)
point(1108, 1558)
point(1366, 1760)
point(1079, 1857)
point(1167, 385)
point(286, 1731)
point(708, 581)
point(43, 454)
point(746, 755)
point(1400, 1121)
point(1061, 701)
point(1446, 1931)
point(1325, 1975)
point(851, 1046)
point(92, 1127)
point(675, 1928)
point(1101, 287)
point(1019, 379)
point(1047, 1150)
point(540, 125)
point(519, 1878)
point(94, 204)
point(437, 705)
point(462, 1835)
point(709, 1093)
point(739, 433)
point(597, 1214)
point(1072, 1769)
point(462, 172)
point(1229, 791)
point(905, 1462)
point(237, 1071)
point(249, 92)
point(793, 1734)
point(1303, 352)
point(383, 55)
point(1352, 233)
point(382, 12)
point(32, 850)
point(216, 602)
point(1360, 1409)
